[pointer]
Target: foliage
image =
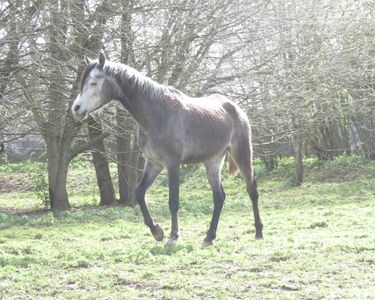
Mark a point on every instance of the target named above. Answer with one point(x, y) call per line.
point(40, 188)
point(79, 162)
point(28, 166)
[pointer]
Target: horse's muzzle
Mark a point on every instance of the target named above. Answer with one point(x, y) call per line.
point(78, 113)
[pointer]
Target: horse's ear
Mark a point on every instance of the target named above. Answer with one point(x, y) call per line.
point(87, 60)
point(101, 60)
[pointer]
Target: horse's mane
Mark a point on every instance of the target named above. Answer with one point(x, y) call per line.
point(141, 83)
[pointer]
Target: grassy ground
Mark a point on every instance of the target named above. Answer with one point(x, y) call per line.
point(319, 240)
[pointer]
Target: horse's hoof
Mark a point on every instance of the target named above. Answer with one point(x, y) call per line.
point(158, 233)
point(171, 241)
point(259, 236)
point(206, 243)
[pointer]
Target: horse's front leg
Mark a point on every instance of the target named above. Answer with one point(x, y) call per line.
point(150, 172)
point(174, 203)
point(213, 174)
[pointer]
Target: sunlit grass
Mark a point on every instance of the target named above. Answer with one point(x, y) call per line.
point(319, 242)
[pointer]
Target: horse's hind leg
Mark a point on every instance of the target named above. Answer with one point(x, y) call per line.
point(242, 156)
point(150, 172)
point(252, 190)
point(213, 175)
point(174, 185)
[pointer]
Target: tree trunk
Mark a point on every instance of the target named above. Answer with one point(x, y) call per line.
point(123, 149)
point(298, 158)
point(137, 163)
point(365, 131)
point(140, 165)
point(125, 125)
point(103, 175)
point(57, 175)
point(368, 143)
point(270, 162)
point(127, 159)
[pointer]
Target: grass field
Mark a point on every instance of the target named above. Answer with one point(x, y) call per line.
point(319, 239)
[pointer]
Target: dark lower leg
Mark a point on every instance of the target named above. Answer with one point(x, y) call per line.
point(253, 193)
point(149, 174)
point(218, 198)
point(155, 229)
point(174, 182)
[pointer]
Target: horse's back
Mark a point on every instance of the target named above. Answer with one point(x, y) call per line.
point(209, 124)
point(235, 119)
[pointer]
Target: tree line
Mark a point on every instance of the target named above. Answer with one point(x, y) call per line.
point(302, 70)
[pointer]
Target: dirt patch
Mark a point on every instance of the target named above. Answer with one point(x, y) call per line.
point(15, 184)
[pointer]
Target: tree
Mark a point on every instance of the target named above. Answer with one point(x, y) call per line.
point(303, 71)
point(50, 81)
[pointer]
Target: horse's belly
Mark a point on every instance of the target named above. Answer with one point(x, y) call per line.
point(204, 151)
point(193, 158)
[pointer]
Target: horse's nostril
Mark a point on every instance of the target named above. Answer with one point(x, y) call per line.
point(77, 107)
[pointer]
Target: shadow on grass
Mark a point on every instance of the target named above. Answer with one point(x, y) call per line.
point(19, 262)
point(81, 214)
point(170, 249)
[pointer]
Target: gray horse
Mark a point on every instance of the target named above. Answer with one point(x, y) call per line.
point(174, 129)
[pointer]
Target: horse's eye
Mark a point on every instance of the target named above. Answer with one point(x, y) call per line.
point(93, 83)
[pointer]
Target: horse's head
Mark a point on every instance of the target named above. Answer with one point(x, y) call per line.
point(96, 89)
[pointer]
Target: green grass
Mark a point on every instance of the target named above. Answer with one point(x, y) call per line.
point(319, 240)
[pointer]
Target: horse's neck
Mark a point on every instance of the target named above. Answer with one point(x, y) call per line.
point(142, 97)
point(139, 105)
point(136, 107)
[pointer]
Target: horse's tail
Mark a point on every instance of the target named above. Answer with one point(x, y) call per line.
point(232, 166)
point(240, 143)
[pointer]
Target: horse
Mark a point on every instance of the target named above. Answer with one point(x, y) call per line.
point(174, 129)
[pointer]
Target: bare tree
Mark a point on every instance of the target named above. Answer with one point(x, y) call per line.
point(303, 70)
